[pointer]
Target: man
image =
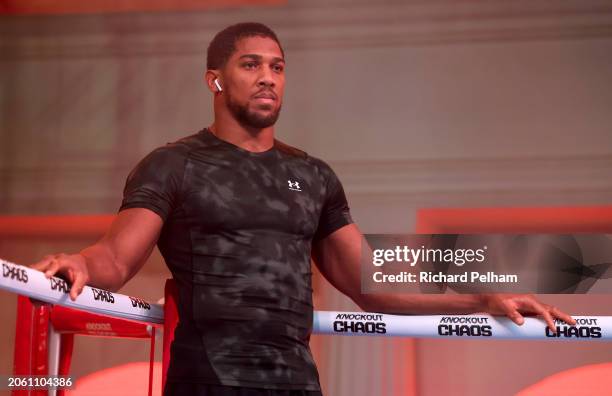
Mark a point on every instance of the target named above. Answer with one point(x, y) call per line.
point(237, 216)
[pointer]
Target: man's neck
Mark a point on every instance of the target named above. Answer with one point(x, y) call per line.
point(254, 140)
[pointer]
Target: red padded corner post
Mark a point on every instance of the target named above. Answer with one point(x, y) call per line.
point(170, 323)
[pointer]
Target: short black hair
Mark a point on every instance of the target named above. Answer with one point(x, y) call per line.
point(223, 44)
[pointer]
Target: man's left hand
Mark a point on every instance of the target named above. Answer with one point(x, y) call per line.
point(515, 306)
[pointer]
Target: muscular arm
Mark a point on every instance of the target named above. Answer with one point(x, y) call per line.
point(338, 258)
point(114, 259)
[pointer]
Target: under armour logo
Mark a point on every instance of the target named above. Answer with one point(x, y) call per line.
point(294, 186)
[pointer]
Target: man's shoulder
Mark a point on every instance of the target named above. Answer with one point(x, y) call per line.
point(314, 164)
point(186, 144)
point(172, 155)
point(294, 152)
point(289, 150)
point(179, 148)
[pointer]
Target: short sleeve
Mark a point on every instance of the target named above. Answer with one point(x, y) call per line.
point(335, 213)
point(155, 183)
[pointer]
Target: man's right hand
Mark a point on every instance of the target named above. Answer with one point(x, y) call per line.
point(71, 267)
point(111, 261)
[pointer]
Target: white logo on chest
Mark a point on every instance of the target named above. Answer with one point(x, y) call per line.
point(294, 185)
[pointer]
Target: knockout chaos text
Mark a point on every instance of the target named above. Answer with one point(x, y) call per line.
point(584, 328)
point(103, 295)
point(360, 323)
point(14, 273)
point(464, 326)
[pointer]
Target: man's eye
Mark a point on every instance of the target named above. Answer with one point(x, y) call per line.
point(250, 65)
point(278, 68)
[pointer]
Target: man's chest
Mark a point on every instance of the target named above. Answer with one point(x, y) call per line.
point(261, 194)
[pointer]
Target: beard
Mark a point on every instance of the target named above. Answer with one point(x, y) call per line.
point(250, 118)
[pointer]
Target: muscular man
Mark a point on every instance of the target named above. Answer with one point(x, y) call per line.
point(237, 216)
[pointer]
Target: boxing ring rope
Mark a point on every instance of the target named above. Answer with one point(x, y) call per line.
point(44, 332)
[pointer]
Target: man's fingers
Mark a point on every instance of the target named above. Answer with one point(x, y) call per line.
point(549, 320)
point(42, 264)
point(511, 312)
point(53, 267)
point(539, 308)
point(516, 317)
point(557, 313)
point(516, 306)
point(71, 267)
point(77, 286)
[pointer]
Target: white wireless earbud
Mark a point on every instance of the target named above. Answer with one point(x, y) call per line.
point(216, 82)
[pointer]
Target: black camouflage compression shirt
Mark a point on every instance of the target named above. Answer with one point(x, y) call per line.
point(237, 236)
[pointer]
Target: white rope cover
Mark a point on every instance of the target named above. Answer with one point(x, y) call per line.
point(28, 282)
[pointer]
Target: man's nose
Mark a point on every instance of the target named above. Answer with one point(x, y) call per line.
point(266, 78)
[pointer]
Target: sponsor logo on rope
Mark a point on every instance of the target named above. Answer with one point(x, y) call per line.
point(360, 323)
point(138, 303)
point(14, 273)
point(103, 295)
point(585, 328)
point(464, 326)
point(59, 285)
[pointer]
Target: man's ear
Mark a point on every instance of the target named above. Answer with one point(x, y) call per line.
point(213, 81)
